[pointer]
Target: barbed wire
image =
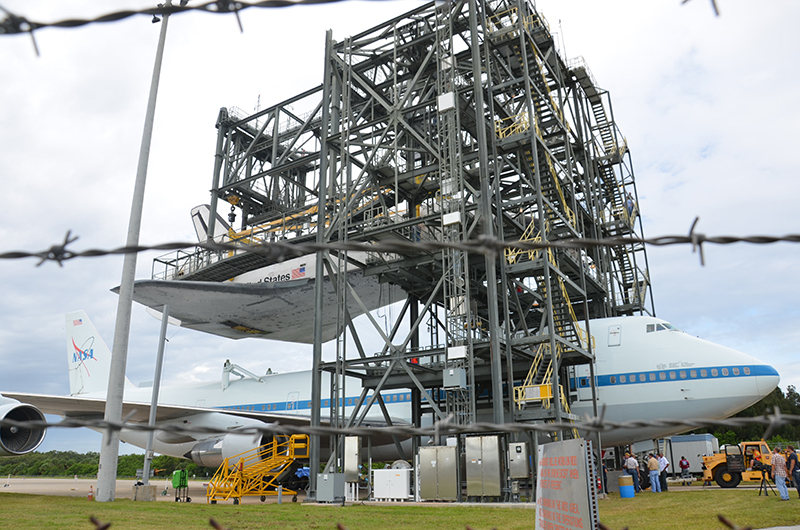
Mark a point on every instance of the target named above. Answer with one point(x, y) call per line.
point(445, 427)
point(282, 250)
point(15, 24)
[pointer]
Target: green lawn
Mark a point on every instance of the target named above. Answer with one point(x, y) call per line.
point(678, 510)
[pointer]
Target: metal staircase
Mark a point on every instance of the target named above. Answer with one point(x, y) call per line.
point(258, 472)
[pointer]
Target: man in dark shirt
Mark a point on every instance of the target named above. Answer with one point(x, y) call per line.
point(792, 467)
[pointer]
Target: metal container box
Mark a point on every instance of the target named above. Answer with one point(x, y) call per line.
point(438, 473)
point(392, 484)
point(352, 458)
point(518, 460)
point(454, 378)
point(330, 487)
point(483, 466)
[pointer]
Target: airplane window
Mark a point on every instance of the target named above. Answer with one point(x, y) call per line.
point(714, 372)
point(584, 382)
point(683, 374)
point(662, 376)
point(735, 371)
point(613, 380)
point(661, 327)
point(746, 370)
point(622, 379)
point(724, 371)
point(669, 326)
point(651, 328)
point(703, 373)
point(642, 377)
point(394, 397)
point(263, 407)
point(693, 373)
point(672, 375)
point(652, 377)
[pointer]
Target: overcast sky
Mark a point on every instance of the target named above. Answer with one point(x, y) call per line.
point(706, 103)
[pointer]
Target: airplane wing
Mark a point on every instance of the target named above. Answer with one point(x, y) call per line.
point(94, 408)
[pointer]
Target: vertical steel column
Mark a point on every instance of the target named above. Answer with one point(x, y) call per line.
point(316, 374)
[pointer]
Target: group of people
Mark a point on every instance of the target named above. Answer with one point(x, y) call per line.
point(657, 466)
point(783, 468)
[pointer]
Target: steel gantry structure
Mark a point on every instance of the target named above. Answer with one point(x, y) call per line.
point(446, 124)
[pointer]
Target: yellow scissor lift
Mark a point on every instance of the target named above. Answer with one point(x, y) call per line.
point(256, 472)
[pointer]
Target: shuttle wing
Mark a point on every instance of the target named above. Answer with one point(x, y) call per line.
point(268, 310)
point(88, 407)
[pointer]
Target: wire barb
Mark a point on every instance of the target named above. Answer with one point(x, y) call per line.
point(58, 253)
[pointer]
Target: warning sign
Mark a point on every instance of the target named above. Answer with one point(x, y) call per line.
point(562, 487)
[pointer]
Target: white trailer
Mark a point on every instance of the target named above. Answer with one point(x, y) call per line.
point(693, 447)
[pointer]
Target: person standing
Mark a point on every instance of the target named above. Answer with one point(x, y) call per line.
point(779, 473)
point(686, 477)
point(652, 467)
point(793, 470)
point(663, 464)
point(632, 469)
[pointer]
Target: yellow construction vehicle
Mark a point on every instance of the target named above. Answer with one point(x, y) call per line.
point(734, 463)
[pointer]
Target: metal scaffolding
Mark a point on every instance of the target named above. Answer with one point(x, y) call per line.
point(445, 124)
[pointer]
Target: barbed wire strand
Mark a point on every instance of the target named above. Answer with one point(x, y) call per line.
point(445, 427)
point(282, 250)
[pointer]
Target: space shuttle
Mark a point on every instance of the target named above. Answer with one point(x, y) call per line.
point(645, 369)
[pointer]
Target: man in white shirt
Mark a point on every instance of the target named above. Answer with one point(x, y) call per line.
point(663, 464)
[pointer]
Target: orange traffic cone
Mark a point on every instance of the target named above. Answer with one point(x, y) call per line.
point(90, 497)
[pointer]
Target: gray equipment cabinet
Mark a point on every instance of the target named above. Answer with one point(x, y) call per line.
point(518, 460)
point(484, 467)
point(330, 487)
point(438, 473)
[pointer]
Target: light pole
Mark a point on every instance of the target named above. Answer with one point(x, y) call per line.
point(109, 451)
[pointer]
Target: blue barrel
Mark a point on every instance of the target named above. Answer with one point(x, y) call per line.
point(626, 486)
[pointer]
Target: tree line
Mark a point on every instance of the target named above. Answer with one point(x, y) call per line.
point(70, 463)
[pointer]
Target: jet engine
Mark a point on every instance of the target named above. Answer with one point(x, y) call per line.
point(19, 440)
point(212, 452)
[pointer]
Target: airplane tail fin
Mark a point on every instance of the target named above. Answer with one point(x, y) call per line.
point(200, 217)
point(88, 357)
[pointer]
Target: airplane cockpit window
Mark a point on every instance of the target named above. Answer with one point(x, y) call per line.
point(665, 326)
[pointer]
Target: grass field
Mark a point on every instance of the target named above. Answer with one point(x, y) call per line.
point(674, 510)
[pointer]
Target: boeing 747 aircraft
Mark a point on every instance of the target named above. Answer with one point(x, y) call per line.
point(646, 369)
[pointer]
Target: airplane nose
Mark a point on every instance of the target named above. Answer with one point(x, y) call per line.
point(767, 379)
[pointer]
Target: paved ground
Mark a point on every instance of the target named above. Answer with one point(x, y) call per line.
point(80, 488)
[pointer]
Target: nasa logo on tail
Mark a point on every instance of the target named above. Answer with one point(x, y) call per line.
point(85, 351)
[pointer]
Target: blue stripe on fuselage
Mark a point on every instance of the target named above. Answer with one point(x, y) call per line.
point(305, 404)
point(677, 374)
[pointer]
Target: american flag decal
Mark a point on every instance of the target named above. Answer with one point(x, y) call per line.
point(299, 272)
point(77, 322)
